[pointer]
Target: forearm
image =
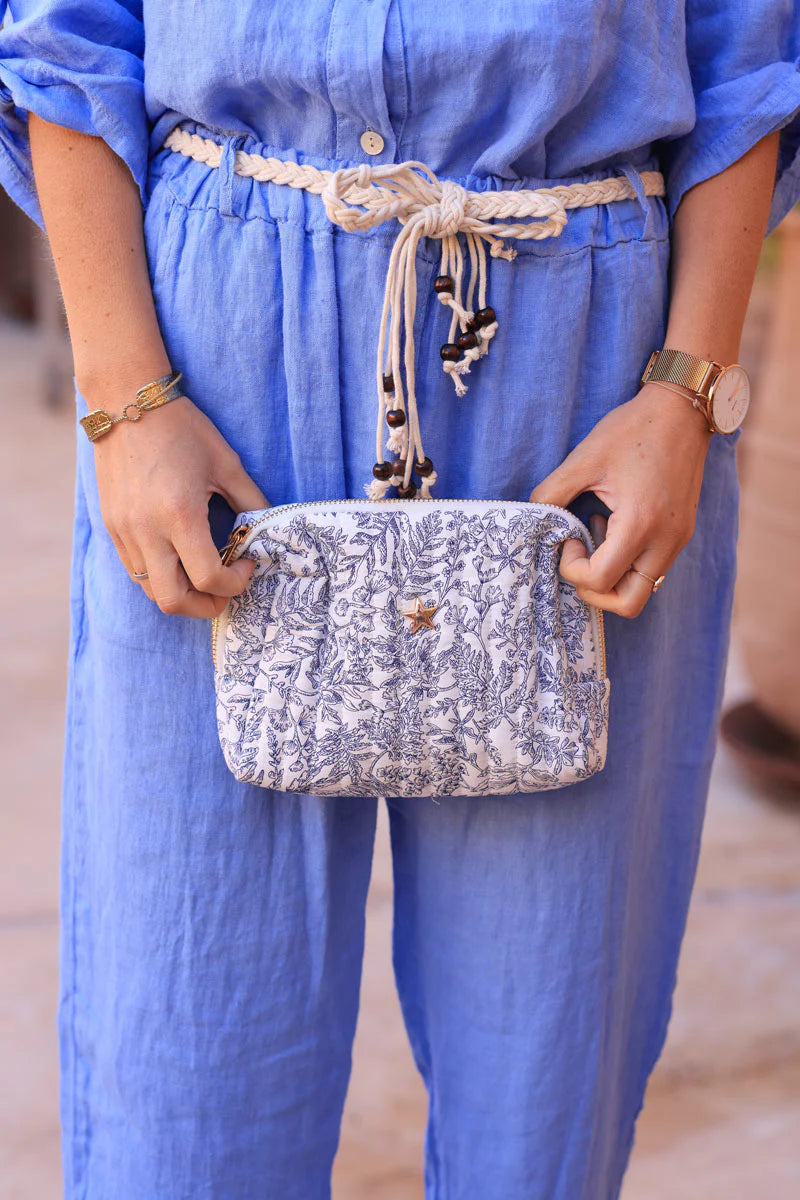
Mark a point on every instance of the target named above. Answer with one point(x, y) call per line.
point(93, 216)
point(645, 459)
point(154, 477)
point(718, 232)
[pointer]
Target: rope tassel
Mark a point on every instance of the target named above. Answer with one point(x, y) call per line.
point(364, 196)
point(359, 198)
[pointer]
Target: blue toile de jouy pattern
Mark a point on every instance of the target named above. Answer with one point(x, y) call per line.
point(327, 683)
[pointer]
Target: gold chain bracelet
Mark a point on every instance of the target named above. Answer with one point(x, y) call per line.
point(687, 394)
point(151, 395)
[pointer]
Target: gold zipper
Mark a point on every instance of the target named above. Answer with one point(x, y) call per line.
point(242, 532)
point(601, 639)
point(236, 537)
point(214, 623)
point(229, 549)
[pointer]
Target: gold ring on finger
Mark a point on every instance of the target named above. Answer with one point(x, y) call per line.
point(655, 582)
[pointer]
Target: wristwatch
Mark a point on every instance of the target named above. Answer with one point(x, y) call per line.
point(721, 393)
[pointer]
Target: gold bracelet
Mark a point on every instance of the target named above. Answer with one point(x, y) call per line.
point(149, 395)
point(687, 394)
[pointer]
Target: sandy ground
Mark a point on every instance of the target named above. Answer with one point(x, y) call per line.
point(722, 1117)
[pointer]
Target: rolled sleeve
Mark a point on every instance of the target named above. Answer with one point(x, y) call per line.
point(76, 63)
point(745, 72)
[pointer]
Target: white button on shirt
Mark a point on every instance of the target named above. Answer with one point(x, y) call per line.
point(371, 142)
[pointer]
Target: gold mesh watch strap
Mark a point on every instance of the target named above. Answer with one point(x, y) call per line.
point(675, 366)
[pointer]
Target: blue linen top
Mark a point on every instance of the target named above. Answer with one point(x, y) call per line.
point(513, 94)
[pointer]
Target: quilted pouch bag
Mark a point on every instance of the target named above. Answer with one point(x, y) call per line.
point(409, 647)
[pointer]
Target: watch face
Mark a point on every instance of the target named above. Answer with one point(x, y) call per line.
point(730, 398)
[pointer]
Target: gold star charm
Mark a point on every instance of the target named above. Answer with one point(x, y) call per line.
point(420, 616)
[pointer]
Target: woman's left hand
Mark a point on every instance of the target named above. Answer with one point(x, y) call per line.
point(645, 461)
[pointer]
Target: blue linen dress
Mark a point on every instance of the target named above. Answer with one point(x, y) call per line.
point(212, 933)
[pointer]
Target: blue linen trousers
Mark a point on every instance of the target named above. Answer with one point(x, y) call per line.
point(213, 931)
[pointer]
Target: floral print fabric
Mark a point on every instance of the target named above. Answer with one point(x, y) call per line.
point(325, 685)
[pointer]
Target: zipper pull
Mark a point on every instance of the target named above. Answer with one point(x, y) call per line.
point(231, 546)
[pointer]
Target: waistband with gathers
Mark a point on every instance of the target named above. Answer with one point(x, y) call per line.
point(361, 197)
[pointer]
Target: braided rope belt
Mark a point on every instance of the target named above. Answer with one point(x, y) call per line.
point(359, 198)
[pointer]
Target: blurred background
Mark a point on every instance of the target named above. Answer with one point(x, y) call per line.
point(722, 1113)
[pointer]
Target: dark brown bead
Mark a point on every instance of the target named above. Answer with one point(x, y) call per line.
point(472, 324)
point(395, 417)
point(468, 340)
point(399, 466)
point(485, 316)
point(443, 283)
point(408, 493)
point(388, 383)
point(424, 468)
point(450, 352)
point(383, 470)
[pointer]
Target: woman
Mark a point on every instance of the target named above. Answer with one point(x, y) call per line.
point(212, 932)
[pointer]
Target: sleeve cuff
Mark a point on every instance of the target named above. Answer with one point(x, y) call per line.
point(770, 100)
point(93, 106)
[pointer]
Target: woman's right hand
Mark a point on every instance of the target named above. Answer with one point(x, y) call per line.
point(155, 478)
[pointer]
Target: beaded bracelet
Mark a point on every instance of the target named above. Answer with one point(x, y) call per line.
point(150, 395)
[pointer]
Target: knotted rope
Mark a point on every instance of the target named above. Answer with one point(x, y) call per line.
point(361, 197)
